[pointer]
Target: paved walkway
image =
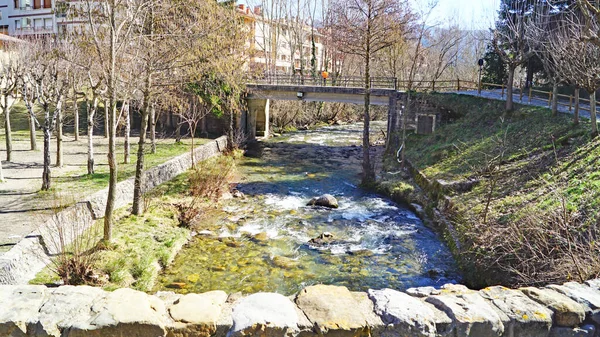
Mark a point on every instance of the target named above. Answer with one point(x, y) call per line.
point(535, 101)
point(23, 207)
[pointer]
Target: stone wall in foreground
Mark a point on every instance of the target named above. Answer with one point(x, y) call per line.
point(32, 254)
point(571, 309)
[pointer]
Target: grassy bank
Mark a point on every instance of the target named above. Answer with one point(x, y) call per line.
point(523, 188)
point(143, 245)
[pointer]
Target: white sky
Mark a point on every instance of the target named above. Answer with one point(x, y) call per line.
point(469, 14)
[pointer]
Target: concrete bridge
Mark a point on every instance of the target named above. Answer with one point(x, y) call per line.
point(384, 91)
point(255, 121)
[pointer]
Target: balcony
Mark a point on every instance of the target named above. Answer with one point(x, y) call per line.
point(34, 30)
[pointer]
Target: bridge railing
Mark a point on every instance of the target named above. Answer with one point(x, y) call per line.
point(340, 81)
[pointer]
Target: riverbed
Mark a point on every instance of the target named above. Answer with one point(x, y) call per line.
point(262, 242)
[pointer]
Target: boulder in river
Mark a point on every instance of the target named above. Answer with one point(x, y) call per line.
point(322, 239)
point(326, 200)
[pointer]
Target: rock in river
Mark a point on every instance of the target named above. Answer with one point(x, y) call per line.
point(326, 200)
point(322, 239)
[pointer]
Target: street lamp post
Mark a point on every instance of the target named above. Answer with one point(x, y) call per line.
point(480, 63)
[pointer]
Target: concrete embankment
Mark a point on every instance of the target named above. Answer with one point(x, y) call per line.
point(571, 309)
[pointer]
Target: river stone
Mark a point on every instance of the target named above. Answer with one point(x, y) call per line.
point(571, 332)
point(20, 307)
point(422, 291)
point(67, 306)
point(124, 312)
point(335, 309)
point(455, 289)
point(584, 295)
point(326, 200)
point(520, 315)
point(404, 315)
point(595, 283)
point(471, 314)
point(197, 314)
point(265, 314)
point(567, 313)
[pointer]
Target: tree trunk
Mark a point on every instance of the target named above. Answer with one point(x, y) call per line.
point(555, 98)
point(153, 129)
point(91, 112)
point(593, 113)
point(59, 140)
point(576, 111)
point(529, 76)
point(46, 172)
point(76, 117)
point(8, 133)
point(106, 119)
point(192, 151)
point(126, 143)
point(509, 88)
point(138, 205)
point(112, 164)
point(230, 133)
point(112, 129)
point(178, 130)
point(368, 173)
point(32, 140)
point(404, 121)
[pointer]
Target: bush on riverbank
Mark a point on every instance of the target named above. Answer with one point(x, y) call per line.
point(528, 214)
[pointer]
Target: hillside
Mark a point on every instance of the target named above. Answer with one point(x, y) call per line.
point(521, 191)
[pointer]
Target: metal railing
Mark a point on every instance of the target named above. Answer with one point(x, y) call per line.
point(453, 85)
point(359, 82)
point(341, 81)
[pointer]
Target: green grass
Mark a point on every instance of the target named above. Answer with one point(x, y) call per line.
point(141, 245)
point(79, 181)
point(545, 159)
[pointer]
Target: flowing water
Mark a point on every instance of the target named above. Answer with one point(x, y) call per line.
point(263, 242)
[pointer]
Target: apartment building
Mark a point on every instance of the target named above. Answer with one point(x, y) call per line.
point(281, 46)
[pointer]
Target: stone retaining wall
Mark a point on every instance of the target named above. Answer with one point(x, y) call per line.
point(32, 254)
point(571, 309)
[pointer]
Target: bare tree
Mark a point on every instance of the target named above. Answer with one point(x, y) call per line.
point(510, 42)
point(577, 60)
point(178, 41)
point(109, 25)
point(364, 28)
point(45, 84)
point(11, 69)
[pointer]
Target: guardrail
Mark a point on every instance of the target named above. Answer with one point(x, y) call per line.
point(341, 81)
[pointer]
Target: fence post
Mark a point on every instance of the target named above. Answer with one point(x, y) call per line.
point(395, 83)
point(529, 94)
point(521, 93)
point(570, 102)
point(458, 84)
point(550, 99)
point(502, 90)
point(433, 85)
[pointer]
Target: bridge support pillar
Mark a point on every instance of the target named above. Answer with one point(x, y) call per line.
point(257, 118)
point(393, 137)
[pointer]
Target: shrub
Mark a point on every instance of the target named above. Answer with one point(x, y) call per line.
point(210, 178)
point(69, 235)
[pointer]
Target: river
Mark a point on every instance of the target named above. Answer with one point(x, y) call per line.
point(263, 242)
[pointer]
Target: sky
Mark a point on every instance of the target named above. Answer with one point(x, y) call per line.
point(469, 14)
